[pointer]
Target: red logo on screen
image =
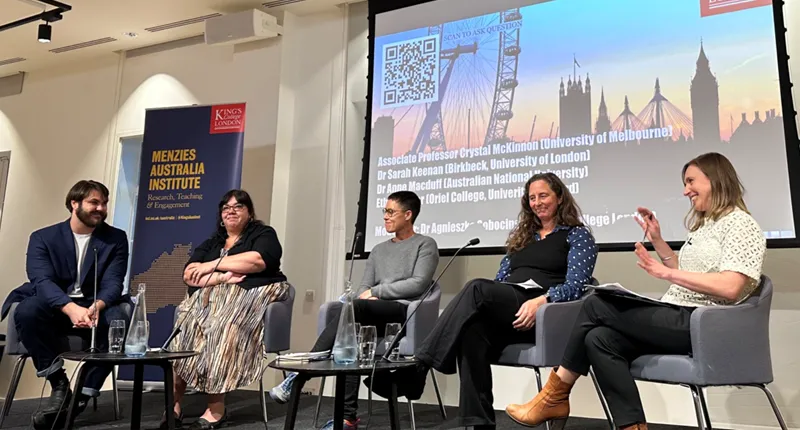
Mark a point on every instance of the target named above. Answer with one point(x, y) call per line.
point(227, 118)
point(716, 7)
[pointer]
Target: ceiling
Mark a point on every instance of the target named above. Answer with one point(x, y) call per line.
point(94, 28)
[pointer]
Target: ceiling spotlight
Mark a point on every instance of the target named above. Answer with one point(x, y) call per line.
point(130, 34)
point(45, 32)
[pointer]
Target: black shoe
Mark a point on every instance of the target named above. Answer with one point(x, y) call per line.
point(60, 394)
point(410, 382)
point(204, 424)
point(48, 419)
point(178, 421)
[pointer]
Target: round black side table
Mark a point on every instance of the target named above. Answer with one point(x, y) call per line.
point(161, 359)
point(316, 369)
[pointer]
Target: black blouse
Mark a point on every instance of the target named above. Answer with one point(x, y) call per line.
point(256, 237)
point(544, 261)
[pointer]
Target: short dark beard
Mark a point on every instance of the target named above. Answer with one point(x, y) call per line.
point(86, 217)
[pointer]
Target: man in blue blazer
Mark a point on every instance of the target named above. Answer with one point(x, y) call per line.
point(59, 297)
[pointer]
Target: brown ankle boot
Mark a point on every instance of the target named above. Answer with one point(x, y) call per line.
point(551, 404)
point(638, 426)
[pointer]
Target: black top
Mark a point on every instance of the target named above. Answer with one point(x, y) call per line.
point(544, 261)
point(330, 368)
point(109, 358)
point(255, 237)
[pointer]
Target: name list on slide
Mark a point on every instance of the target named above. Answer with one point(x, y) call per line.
point(496, 171)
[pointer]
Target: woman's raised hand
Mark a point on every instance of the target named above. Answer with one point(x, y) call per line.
point(650, 226)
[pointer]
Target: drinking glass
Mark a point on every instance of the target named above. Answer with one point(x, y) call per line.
point(392, 331)
point(366, 345)
point(116, 336)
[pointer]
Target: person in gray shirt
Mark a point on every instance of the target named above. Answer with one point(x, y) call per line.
point(400, 268)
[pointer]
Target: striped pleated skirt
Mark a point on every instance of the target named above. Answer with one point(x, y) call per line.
point(225, 325)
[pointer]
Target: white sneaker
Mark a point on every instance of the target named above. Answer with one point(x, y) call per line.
point(281, 392)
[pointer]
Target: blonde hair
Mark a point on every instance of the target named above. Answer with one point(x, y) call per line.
point(727, 191)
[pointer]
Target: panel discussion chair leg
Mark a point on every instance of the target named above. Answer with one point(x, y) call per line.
point(369, 409)
point(411, 415)
point(774, 405)
point(698, 407)
point(115, 393)
point(263, 398)
point(602, 400)
point(706, 417)
point(438, 395)
point(539, 388)
point(319, 402)
point(16, 374)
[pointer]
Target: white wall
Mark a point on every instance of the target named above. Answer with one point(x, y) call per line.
point(729, 407)
point(309, 137)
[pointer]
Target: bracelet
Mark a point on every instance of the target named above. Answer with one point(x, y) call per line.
point(666, 258)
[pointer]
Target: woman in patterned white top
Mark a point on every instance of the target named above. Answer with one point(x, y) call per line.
point(720, 263)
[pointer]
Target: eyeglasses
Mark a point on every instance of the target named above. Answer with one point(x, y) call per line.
point(391, 212)
point(238, 207)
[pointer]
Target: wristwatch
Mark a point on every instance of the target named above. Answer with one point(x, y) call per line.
point(547, 297)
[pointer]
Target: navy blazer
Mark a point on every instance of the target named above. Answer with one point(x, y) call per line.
point(52, 265)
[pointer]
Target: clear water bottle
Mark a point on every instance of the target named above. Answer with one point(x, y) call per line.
point(345, 348)
point(139, 331)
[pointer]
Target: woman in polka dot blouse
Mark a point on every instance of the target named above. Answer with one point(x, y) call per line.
point(719, 264)
point(551, 247)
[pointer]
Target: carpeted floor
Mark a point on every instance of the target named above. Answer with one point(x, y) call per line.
point(245, 414)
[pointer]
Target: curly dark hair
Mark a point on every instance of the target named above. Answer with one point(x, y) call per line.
point(567, 214)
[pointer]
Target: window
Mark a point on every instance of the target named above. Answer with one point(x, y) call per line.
point(128, 191)
point(5, 161)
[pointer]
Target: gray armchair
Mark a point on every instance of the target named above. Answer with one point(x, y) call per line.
point(14, 347)
point(278, 324)
point(553, 326)
point(277, 335)
point(730, 347)
point(418, 327)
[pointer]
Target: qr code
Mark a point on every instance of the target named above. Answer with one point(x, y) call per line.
point(410, 72)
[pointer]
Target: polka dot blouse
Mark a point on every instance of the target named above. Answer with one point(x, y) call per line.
point(582, 257)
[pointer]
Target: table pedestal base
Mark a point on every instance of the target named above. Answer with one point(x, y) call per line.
point(138, 386)
point(338, 403)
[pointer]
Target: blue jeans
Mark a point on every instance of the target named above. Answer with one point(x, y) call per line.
point(367, 312)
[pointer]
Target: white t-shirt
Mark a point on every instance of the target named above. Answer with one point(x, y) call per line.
point(81, 243)
point(733, 243)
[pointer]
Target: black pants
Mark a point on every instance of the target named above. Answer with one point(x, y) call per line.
point(43, 331)
point(470, 334)
point(367, 312)
point(611, 332)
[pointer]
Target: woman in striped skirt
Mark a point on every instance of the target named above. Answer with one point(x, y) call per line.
point(232, 277)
